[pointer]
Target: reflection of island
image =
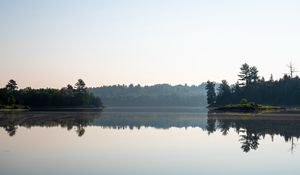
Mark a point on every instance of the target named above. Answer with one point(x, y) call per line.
point(11, 121)
point(251, 129)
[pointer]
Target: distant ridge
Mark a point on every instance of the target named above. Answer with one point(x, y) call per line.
point(154, 95)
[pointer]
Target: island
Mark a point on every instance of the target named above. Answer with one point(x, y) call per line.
point(245, 106)
point(252, 93)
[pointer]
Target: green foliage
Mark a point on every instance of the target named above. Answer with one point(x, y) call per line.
point(243, 101)
point(224, 92)
point(245, 74)
point(13, 106)
point(248, 74)
point(65, 97)
point(248, 105)
point(11, 85)
point(282, 92)
point(80, 86)
point(211, 94)
point(253, 74)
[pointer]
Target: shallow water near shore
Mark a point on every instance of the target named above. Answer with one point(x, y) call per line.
point(148, 141)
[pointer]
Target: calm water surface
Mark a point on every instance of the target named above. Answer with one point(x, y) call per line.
point(137, 141)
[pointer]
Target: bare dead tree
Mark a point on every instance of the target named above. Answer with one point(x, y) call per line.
point(292, 69)
point(293, 145)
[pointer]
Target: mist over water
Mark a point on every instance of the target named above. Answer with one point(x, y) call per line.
point(148, 141)
point(149, 87)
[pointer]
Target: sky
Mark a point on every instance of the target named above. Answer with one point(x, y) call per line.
point(52, 43)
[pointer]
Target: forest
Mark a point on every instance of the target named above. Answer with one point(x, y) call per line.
point(251, 87)
point(156, 95)
point(78, 96)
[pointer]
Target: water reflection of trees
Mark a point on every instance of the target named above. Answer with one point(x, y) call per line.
point(249, 141)
point(252, 129)
point(11, 129)
point(11, 122)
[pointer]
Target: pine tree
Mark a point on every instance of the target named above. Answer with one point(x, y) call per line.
point(253, 74)
point(245, 74)
point(11, 85)
point(211, 94)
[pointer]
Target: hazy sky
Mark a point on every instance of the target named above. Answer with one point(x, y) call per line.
point(53, 43)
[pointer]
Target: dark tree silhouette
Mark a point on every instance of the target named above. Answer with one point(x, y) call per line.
point(211, 94)
point(80, 131)
point(70, 87)
point(253, 74)
point(11, 85)
point(224, 92)
point(245, 74)
point(80, 85)
point(11, 129)
point(282, 92)
point(12, 98)
point(211, 125)
point(249, 141)
point(292, 69)
point(271, 78)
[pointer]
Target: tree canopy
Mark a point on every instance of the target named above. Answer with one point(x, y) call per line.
point(284, 92)
point(49, 97)
point(154, 95)
point(211, 94)
point(11, 85)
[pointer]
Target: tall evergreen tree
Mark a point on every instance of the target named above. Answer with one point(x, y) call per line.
point(224, 93)
point(224, 88)
point(80, 86)
point(211, 94)
point(245, 74)
point(11, 85)
point(285, 91)
point(271, 78)
point(253, 76)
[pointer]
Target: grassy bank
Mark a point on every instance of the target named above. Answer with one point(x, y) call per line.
point(247, 107)
point(15, 107)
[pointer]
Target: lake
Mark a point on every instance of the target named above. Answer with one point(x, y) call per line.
point(135, 141)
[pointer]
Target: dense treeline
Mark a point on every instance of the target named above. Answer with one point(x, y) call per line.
point(69, 96)
point(156, 95)
point(283, 92)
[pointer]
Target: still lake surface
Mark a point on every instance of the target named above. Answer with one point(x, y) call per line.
point(135, 141)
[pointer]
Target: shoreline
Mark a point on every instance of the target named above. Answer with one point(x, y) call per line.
point(249, 108)
point(54, 109)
